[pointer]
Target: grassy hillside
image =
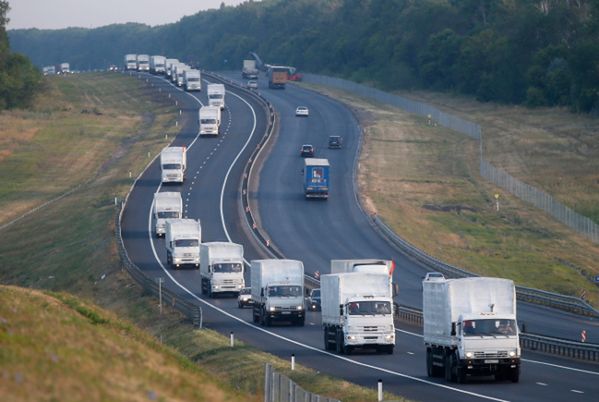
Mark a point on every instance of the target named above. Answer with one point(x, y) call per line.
point(57, 347)
point(68, 245)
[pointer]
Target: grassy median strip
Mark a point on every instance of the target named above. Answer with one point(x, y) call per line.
point(423, 181)
point(69, 246)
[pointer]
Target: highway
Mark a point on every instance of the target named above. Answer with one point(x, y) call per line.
point(211, 194)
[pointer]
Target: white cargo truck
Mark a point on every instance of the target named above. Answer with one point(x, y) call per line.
point(182, 240)
point(470, 328)
point(167, 205)
point(143, 62)
point(157, 64)
point(209, 120)
point(278, 291)
point(216, 95)
point(180, 73)
point(173, 161)
point(130, 62)
point(249, 71)
point(170, 63)
point(221, 268)
point(357, 312)
point(65, 68)
point(192, 80)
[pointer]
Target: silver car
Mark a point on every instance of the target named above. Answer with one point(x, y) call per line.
point(245, 298)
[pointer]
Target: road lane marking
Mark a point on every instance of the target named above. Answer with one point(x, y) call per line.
point(542, 384)
point(576, 391)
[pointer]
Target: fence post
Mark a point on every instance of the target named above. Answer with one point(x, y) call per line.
point(268, 383)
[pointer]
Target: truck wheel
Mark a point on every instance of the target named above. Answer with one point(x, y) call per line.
point(429, 363)
point(301, 322)
point(255, 317)
point(458, 374)
point(447, 364)
point(209, 289)
point(515, 374)
point(339, 347)
point(169, 259)
point(390, 349)
point(348, 349)
point(326, 340)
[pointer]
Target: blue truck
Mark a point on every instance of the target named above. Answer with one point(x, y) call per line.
point(316, 178)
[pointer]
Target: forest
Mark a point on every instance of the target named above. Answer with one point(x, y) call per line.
point(533, 52)
point(19, 79)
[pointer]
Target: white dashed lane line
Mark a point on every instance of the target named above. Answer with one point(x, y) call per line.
point(576, 391)
point(542, 384)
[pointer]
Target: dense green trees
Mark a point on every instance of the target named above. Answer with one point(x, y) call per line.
point(19, 79)
point(538, 52)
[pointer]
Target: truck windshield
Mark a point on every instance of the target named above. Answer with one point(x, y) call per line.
point(193, 79)
point(489, 327)
point(215, 96)
point(187, 243)
point(285, 291)
point(227, 267)
point(208, 121)
point(171, 166)
point(168, 214)
point(369, 307)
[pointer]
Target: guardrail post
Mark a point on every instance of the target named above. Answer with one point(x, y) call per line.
point(268, 383)
point(380, 390)
point(292, 361)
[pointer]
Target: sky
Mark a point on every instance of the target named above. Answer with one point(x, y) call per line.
point(56, 14)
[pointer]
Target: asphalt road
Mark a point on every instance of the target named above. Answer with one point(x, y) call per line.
point(211, 166)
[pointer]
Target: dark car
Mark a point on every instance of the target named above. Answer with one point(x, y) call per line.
point(307, 151)
point(335, 141)
point(313, 301)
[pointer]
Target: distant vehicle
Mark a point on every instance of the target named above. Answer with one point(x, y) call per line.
point(143, 62)
point(49, 70)
point(64, 68)
point(252, 84)
point(210, 120)
point(170, 64)
point(216, 95)
point(316, 178)
point(173, 161)
point(307, 151)
point(302, 111)
point(245, 298)
point(192, 80)
point(221, 268)
point(182, 240)
point(130, 62)
point(335, 142)
point(249, 69)
point(167, 205)
point(158, 64)
point(277, 77)
point(313, 302)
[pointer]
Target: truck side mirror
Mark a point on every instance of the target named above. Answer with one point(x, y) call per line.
point(453, 333)
point(262, 292)
point(341, 309)
point(395, 289)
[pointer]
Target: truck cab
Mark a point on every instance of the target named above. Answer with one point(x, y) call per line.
point(173, 164)
point(221, 268)
point(167, 205)
point(192, 80)
point(182, 240)
point(316, 178)
point(216, 95)
point(209, 117)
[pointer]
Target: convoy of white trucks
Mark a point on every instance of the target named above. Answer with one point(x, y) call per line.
point(470, 328)
point(173, 161)
point(192, 80)
point(182, 240)
point(278, 291)
point(167, 205)
point(216, 95)
point(221, 268)
point(209, 117)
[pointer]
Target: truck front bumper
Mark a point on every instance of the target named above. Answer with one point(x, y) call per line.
point(361, 339)
point(285, 315)
point(488, 366)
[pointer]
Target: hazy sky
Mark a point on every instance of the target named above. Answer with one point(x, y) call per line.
point(55, 14)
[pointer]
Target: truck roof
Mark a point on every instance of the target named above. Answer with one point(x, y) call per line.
point(184, 226)
point(216, 87)
point(167, 199)
point(316, 162)
point(355, 284)
point(223, 250)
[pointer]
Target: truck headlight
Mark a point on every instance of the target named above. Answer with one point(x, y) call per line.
point(177, 260)
point(351, 337)
point(512, 353)
point(469, 355)
point(271, 309)
point(389, 337)
point(216, 286)
point(300, 307)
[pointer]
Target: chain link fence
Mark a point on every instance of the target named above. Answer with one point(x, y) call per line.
point(280, 388)
point(540, 199)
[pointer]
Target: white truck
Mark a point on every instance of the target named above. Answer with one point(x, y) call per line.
point(179, 73)
point(167, 205)
point(249, 70)
point(221, 268)
point(357, 312)
point(157, 64)
point(278, 291)
point(130, 62)
point(143, 62)
point(192, 80)
point(173, 161)
point(216, 95)
point(182, 239)
point(170, 63)
point(65, 68)
point(209, 117)
point(470, 328)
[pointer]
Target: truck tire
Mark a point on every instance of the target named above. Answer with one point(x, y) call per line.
point(389, 349)
point(339, 347)
point(255, 317)
point(458, 374)
point(326, 339)
point(169, 258)
point(209, 289)
point(429, 363)
point(515, 375)
point(448, 366)
point(301, 322)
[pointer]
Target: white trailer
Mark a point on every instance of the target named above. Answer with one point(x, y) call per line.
point(249, 70)
point(192, 80)
point(209, 117)
point(216, 95)
point(170, 64)
point(167, 205)
point(130, 62)
point(470, 328)
point(182, 240)
point(357, 312)
point(278, 291)
point(143, 62)
point(221, 268)
point(173, 161)
point(157, 64)
point(369, 265)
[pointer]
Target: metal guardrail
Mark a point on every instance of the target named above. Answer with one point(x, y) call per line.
point(533, 342)
point(280, 388)
point(537, 296)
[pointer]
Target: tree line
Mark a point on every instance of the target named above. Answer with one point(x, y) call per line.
point(533, 52)
point(19, 79)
